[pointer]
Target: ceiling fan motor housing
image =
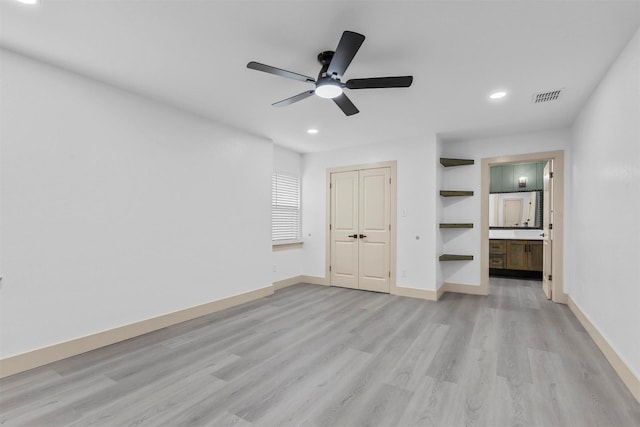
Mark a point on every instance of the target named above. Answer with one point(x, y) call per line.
point(327, 86)
point(325, 58)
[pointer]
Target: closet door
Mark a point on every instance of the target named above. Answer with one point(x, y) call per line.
point(360, 235)
point(374, 234)
point(344, 229)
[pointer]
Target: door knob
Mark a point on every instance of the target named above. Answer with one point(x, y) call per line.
point(355, 236)
point(362, 236)
point(541, 234)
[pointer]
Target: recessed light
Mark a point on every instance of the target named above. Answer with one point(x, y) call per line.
point(312, 131)
point(498, 95)
point(27, 1)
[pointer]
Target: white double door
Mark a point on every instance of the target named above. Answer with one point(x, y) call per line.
point(360, 229)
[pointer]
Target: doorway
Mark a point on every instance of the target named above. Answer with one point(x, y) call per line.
point(361, 227)
point(552, 232)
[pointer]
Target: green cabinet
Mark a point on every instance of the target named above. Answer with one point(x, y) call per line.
point(496, 179)
point(540, 175)
point(505, 178)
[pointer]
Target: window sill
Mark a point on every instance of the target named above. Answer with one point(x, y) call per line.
point(278, 246)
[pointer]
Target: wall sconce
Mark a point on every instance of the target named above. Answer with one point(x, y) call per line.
point(522, 181)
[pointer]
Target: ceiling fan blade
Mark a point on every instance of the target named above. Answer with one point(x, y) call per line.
point(379, 82)
point(296, 98)
point(346, 105)
point(347, 48)
point(279, 72)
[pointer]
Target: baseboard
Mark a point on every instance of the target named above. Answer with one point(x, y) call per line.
point(441, 290)
point(285, 283)
point(404, 291)
point(460, 288)
point(561, 298)
point(624, 372)
point(42, 356)
point(315, 280)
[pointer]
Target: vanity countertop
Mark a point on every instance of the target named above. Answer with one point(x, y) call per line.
point(529, 234)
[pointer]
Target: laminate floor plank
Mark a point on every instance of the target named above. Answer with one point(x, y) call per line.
point(151, 398)
point(318, 356)
point(434, 403)
point(384, 408)
point(485, 330)
point(411, 370)
point(314, 389)
point(449, 361)
point(25, 380)
point(351, 398)
point(513, 364)
point(257, 380)
point(273, 391)
point(55, 398)
point(145, 379)
point(477, 386)
point(550, 390)
point(512, 404)
point(528, 297)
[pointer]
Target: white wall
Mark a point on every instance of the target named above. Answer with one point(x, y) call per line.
point(416, 186)
point(467, 209)
point(116, 209)
point(287, 262)
point(606, 176)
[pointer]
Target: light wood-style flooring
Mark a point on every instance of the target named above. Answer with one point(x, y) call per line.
point(320, 356)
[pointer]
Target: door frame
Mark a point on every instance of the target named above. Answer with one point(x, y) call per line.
point(393, 166)
point(557, 257)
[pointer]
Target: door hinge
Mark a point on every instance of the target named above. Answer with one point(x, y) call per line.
point(550, 174)
point(329, 185)
point(549, 277)
point(329, 268)
point(389, 180)
point(550, 226)
point(389, 274)
point(389, 227)
point(329, 226)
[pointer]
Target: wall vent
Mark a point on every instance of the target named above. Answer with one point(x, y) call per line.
point(548, 96)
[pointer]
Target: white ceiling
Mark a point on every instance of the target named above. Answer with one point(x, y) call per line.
point(193, 54)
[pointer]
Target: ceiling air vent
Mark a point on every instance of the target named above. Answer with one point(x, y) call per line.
point(548, 96)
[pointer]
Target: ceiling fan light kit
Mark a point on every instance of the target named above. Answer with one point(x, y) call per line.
point(328, 90)
point(328, 84)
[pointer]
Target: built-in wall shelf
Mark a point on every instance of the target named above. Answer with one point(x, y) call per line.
point(451, 193)
point(452, 257)
point(456, 225)
point(447, 162)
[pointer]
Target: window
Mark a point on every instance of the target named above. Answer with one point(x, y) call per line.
point(285, 207)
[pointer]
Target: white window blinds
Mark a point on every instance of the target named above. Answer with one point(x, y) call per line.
point(285, 207)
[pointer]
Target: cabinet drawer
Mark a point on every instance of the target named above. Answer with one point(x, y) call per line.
point(497, 261)
point(497, 246)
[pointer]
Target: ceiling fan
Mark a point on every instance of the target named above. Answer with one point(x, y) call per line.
point(334, 65)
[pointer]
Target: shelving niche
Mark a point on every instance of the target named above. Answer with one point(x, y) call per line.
point(447, 163)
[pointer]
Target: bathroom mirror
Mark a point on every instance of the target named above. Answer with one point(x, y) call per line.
point(515, 210)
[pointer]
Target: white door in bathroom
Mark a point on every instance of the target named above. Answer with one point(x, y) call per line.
point(547, 225)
